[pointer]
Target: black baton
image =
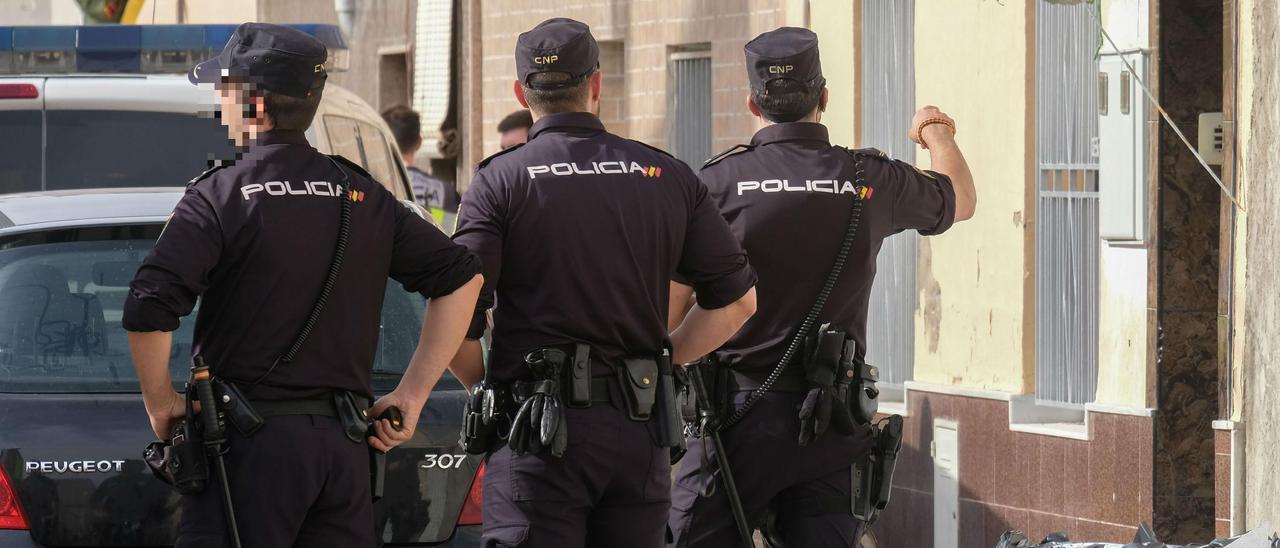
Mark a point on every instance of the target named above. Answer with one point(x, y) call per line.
point(711, 428)
point(213, 440)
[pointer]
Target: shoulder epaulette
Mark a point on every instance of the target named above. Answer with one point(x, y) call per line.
point(868, 151)
point(206, 174)
point(651, 147)
point(735, 149)
point(486, 161)
point(354, 166)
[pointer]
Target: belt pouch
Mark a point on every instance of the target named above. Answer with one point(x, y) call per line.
point(866, 400)
point(638, 378)
point(579, 373)
point(237, 408)
point(353, 417)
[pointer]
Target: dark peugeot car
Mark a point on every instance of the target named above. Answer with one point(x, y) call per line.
point(72, 424)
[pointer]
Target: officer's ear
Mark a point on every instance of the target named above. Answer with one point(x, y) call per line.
point(751, 106)
point(519, 91)
point(255, 109)
point(596, 84)
point(822, 101)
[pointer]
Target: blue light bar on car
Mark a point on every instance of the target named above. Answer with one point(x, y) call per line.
point(132, 48)
point(109, 48)
point(172, 48)
point(44, 49)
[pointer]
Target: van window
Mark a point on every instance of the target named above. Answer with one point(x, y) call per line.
point(378, 155)
point(106, 149)
point(20, 162)
point(344, 138)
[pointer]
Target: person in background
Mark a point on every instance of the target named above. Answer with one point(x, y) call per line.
point(514, 129)
point(439, 197)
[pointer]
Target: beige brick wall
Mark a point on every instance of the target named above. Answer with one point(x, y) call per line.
point(636, 39)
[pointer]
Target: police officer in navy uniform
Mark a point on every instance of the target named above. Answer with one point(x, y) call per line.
point(787, 196)
point(254, 241)
point(580, 232)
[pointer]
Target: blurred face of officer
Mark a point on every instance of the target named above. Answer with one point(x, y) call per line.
point(242, 112)
point(280, 60)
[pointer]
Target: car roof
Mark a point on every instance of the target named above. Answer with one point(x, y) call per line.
point(89, 207)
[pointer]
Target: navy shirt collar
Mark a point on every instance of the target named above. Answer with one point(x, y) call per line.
point(791, 131)
point(282, 137)
point(566, 121)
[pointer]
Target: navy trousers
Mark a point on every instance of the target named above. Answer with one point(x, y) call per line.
point(297, 482)
point(610, 489)
point(773, 473)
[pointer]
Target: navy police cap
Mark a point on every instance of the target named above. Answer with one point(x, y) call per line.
point(787, 52)
point(275, 58)
point(557, 45)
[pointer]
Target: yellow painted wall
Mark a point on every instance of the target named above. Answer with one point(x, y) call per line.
point(970, 61)
point(833, 20)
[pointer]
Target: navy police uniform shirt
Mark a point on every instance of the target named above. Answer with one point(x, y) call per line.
point(580, 232)
point(255, 240)
point(788, 197)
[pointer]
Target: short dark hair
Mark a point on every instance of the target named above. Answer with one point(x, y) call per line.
point(288, 112)
point(516, 120)
point(406, 126)
point(550, 100)
point(786, 100)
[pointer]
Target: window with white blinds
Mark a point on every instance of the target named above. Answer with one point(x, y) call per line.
point(1067, 236)
point(888, 102)
point(690, 109)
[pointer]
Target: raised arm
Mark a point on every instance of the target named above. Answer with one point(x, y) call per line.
point(945, 157)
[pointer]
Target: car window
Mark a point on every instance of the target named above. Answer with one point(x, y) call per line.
point(344, 139)
point(116, 149)
point(378, 155)
point(62, 297)
point(20, 156)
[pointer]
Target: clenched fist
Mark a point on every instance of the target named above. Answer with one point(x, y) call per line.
point(929, 125)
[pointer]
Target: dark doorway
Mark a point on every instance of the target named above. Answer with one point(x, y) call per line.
point(1190, 83)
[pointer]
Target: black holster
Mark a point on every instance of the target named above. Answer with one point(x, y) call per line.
point(181, 461)
point(873, 473)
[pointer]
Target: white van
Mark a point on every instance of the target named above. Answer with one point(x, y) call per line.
point(111, 107)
